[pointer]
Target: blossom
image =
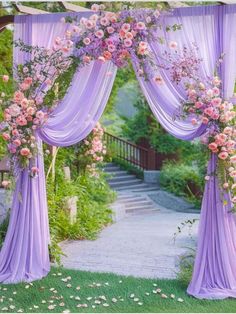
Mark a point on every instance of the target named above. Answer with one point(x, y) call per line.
point(28, 80)
point(86, 41)
point(233, 159)
point(173, 44)
point(39, 100)
point(35, 170)
point(86, 59)
point(128, 42)
point(17, 142)
point(223, 155)
point(110, 30)
point(20, 120)
point(111, 48)
point(24, 86)
point(194, 121)
point(104, 21)
point(156, 13)
point(6, 136)
point(18, 96)
point(5, 183)
point(159, 80)
point(207, 178)
point(101, 58)
point(212, 146)
point(99, 34)
point(226, 185)
point(233, 174)
point(205, 120)
point(140, 26)
point(25, 151)
point(5, 78)
point(14, 110)
point(95, 7)
point(216, 81)
point(125, 27)
point(107, 55)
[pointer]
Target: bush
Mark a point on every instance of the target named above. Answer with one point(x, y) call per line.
point(183, 180)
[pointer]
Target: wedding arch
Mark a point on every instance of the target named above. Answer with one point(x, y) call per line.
point(24, 255)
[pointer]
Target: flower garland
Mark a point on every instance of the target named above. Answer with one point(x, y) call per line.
point(116, 37)
point(205, 105)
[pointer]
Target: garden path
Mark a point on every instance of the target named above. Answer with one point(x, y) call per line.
point(140, 243)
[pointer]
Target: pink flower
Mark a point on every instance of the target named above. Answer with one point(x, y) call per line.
point(110, 30)
point(39, 100)
point(148, 19)
point(18, 96)
point(207, 178)
point(6, 136)
point(25, 152)
point(212, 146)
point(99, 34)
point(128, 42)
point(86, 59)
point(104, 21)
point(30, 111)
point(205, 120)
point(48, 81)
point(24, 86)
point(24, 103)
point(216, 101)
point(223, 155)
point(40, 115)
point(86, 41)
point(227, 130)
point(209, 111)
point(35, 170)
point(20, 120)
point(129, 35)
point(233, 174)
point(216, 81)
point(233, 159)
point(14, 110)
point(28, 80)
point(158, 80)
point(173, 44)
point(101, 58)
point(156, 13)
point(230, 144)
point(201, 86)
point(57, 40)
point(140, 26)
point(15, 132)
point(226, 185)
point(194, 121)
point(95, 7)
point(216, 91)
point(5, 78)
point(233, 199)
point(125, 27)
point(111, 48)
point(17, 142)
point(107, 55)
point(5, 184)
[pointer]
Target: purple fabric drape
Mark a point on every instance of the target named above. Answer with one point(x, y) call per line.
point(213, 28)
point(25, 256)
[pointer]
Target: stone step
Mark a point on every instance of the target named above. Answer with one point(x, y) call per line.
point(131, 188)
point(140, 208)
point(142, 204)
point(126, 177)
point(111, 169)
point(131, 200)
point(125, 184)
point(118, 173)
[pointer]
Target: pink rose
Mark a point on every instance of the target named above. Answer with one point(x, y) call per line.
point(233, 159)
point(15, 132)
point(212, 146)
point(5, 184)
point(86, 59)
point(205, 120)
point(140, 26)
point(18, 96)
point(21, 121)
point(14, 110)
point(99, 34)
point(39, 100)
point(24, 86)
point(6, 136)
point(5, 78)
point(111, 48)
point(89, 24)
point(227, 130)
point(128, 42)
point(104, 21)
point(101, 58)
point(125, 27)
point(198, 104)
point(28, 80)
point(129, 35)
point(194, 121)
point(216, 81)
point(207, 178)
point(216, 101)
point(30, 111)
point(86, 41)
point(35, 170)
point(25, 152)
point(110, 30)
point(233, 174)
point(40, 115)
point(17, 142)
point(223, 155)
point(209, 111)
point(24, 103)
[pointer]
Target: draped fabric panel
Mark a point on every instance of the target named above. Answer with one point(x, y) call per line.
point(24, 256)
point(213, 29)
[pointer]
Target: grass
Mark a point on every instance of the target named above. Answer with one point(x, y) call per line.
point(114, 293)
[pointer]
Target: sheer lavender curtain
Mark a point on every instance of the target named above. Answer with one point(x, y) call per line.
point(213, 28)
point(24, 255)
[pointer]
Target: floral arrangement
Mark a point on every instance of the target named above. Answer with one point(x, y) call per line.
point(25, 111)
point(92, 151)
point(205, 105)
point(116, 37)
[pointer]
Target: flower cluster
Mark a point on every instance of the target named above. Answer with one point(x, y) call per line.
point(25, 111)
point(92, 151)
point(109, 36)
point(205, 105)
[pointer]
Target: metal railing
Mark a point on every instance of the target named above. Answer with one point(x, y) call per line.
point(124, 150)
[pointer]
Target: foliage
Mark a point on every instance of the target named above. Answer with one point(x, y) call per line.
point(52, 288)
point(128, 167)
point(3, 229)
point(93, 194)
point(180, 179)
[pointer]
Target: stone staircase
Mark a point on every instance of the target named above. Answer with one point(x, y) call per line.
point(132, 193)
point(120, 180)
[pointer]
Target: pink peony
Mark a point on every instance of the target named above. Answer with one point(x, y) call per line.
point(5, 78)
point(25, 151)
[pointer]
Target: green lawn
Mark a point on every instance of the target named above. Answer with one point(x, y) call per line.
point(77, 291)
